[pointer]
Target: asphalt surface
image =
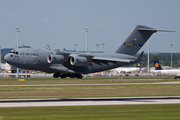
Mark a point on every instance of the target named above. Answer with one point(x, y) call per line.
point(89, 101)
point(154, 83)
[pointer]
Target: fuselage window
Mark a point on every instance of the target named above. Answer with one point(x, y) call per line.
point(16, 52)
point(11, 55)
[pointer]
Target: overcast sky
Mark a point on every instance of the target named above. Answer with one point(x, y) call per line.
point(61, 23)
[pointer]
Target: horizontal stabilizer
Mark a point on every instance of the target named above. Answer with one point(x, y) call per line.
point(154, 30)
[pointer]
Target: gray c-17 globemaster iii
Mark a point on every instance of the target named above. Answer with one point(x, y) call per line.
point(73, 64)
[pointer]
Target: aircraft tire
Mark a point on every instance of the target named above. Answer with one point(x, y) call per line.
point(63, 75)
point(78, 76)
point(71, 75)
point(56, 75)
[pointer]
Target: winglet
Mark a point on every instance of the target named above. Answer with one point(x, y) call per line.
point(140, 56)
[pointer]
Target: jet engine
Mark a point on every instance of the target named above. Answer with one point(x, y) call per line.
point(55, 59)
point(78, 61)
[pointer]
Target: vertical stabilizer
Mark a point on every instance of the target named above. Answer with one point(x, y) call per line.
point(137, 38)
point(157, 66)
point(139, 65)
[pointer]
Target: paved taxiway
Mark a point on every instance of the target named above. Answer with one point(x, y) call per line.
point(154, 83)
point(89, 101)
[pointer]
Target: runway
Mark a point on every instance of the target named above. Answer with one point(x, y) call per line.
point(89, 101)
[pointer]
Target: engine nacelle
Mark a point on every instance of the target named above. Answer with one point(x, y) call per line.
point(55, 59)
point(78, 61)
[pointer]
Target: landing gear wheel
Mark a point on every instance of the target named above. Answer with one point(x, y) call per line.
point(56, 75)
point(63, 75)
point(78, 76)
point(71, 75)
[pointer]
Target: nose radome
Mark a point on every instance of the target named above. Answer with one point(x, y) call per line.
point(6, 57)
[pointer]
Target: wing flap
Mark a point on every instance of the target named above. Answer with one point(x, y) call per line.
point(111, 59)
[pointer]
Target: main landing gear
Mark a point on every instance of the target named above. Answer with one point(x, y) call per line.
point(64, 75)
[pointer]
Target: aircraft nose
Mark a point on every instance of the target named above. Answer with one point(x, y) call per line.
point(6, 58)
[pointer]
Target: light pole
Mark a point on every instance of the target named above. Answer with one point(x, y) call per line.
point(17, 30)
point(86, 30)
point(103, 46)
point(148, 57)
point(75, 47)
point(97, 47)
point(171, 54)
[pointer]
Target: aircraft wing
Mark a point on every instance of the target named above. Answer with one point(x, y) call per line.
point(81, 59)
point(92, 57)
point(111, 59)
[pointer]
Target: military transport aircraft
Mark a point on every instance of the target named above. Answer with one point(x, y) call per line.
point(73, 64)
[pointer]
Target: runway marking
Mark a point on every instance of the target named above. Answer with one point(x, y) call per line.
point(89, 101)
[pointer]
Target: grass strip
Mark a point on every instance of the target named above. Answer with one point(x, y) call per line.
point(123, 112)
point(89, 91)
point(28, 81)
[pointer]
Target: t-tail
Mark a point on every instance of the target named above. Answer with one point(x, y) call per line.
point(137, 38)
point(156, 65)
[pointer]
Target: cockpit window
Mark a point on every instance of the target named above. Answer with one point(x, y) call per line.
point(14, 52)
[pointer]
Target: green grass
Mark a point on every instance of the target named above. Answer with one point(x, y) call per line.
point(88, 91)
point(123, 112)
point(18, 92)
point(118, 112)
point(98, 80)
